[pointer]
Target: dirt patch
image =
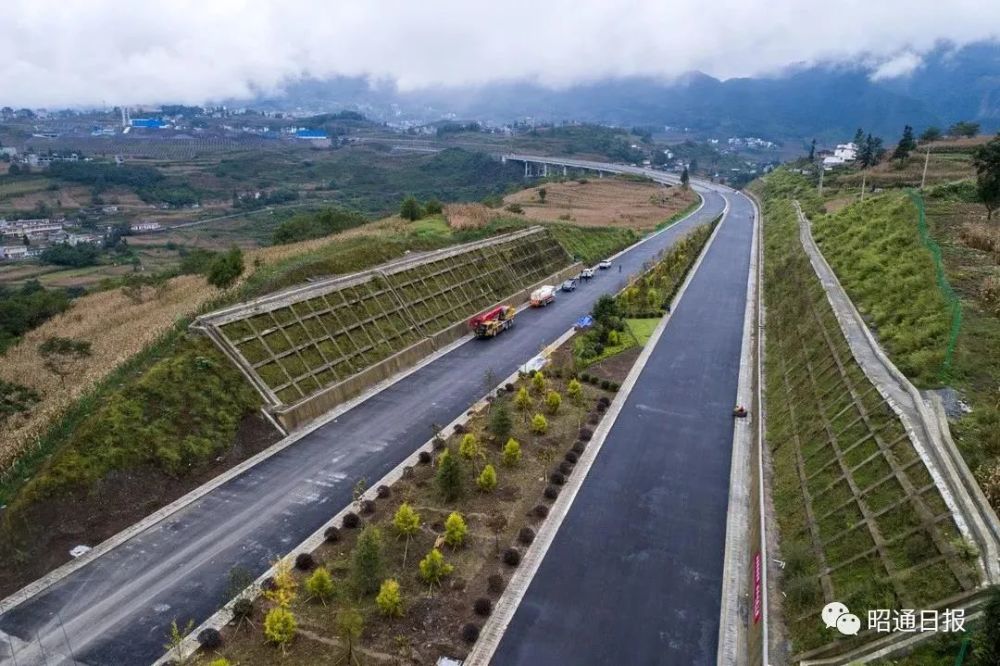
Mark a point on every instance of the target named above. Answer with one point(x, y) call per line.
point(469, 216)
point(617, 367)
point(604, 202)
point(121, 499)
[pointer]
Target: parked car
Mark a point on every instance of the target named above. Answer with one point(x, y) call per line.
point(568, 285)
point(604, 265)
point(587, 273)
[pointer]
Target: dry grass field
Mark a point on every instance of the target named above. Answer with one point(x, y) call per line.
point(604, 202)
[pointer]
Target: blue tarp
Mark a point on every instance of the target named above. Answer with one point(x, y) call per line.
point(584, 322)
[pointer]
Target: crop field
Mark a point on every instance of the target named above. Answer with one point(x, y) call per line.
point(860, 517)
point(299, 348)
point(604, 202)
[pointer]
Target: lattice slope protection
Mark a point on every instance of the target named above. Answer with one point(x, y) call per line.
point(295, 343)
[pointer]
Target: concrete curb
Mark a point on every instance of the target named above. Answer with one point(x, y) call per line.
point(732, 633)
point(975, 519)
point(506, 606)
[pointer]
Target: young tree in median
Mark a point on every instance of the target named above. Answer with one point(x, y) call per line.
point(986, 159)
point(906, 144)
point(500, 422)
point(449, 477)
point(455, 529)
point(280, 626)
point(226, 268)
point(542, 193)
point(812, 150)
point(487, 480)
point(319, 585)
point(407, 524)
point(685, 178)
point(389, 599)
point(511, 452)
point(410, 209)
point(350, 625)
point(366, 561)
point(63, 356)
point(433, 568)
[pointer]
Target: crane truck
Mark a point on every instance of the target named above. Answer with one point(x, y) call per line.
point(493, 322)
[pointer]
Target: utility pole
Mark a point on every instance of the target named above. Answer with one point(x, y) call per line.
point(927, 159)
point(821, 172)
point(864, 176)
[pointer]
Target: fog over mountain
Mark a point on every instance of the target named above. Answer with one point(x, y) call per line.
point(735, 64)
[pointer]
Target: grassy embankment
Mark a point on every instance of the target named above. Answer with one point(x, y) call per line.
point(860, 518)
point(154, 397)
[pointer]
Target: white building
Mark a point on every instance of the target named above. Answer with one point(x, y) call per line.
point(145, 226)
point(845, 152)
point(30, 228)
point(12, 252)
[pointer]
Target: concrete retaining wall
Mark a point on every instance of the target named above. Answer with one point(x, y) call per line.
point(314, 406)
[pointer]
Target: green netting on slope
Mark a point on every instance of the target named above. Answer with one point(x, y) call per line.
point(942, 280)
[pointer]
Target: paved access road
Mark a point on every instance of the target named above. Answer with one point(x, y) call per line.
point(634, 574)
point(117, 609)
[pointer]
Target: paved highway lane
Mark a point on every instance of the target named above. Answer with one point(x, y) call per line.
point(634, 574)
point(118, 608)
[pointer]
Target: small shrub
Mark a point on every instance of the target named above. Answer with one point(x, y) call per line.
point(566, 467)
point(305, 562)
point(221, 661)
point(606, 384)
point(210, 639)
point(512, 557)
point(390, 599)
point(460, 429)
point(449, 477)
point(552, 402)
point(538, 383)
point(571, 456)
point(615, 386)
point(487, 480)
point(482, 606)
point(437, 443)
point(406, 520)
point(558, 478)
point(455, 530)
point(319, 585)
point(593, 419)
point(433, 567)
point(508, 387)
point(585, 434)
point(280, 626)
point(332, 535)
point(539, 424)
point(526, 535)
point(351, 520)
point(604, 400)
point(383, 492)
point(469, 447)
point(424, 457)
point(575, 391)
point(540, 511)
point(523, 400)
point(585, 377)
point(511, 453)
point(579, 447)
point(470, 633)
point(594, 379)
point(495, 583)
point(600, 409)
point(282, 590)
point(367, 507)
point(243, 609)
point(551, 492)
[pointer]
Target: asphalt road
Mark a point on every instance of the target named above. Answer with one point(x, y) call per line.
point(118, 608)
point(634, 574)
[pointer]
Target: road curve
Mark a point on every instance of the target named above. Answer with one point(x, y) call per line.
point(634, 574)
point(117, 608)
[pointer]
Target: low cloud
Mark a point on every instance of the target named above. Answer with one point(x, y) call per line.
point(91, 52)
point(903, 64)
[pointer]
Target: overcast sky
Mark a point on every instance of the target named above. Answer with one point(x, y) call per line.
point(92, 52)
